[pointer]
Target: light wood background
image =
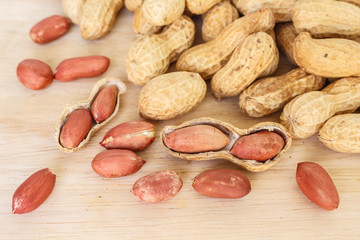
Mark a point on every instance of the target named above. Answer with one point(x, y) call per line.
point(86, 206)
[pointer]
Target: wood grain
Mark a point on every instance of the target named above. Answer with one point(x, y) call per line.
point(86, 206)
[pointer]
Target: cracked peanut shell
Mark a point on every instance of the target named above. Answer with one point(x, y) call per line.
point(233, 135)
point(69, 108)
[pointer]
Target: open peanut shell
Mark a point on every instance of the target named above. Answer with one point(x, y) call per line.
point(233, 134)
point(69, 108)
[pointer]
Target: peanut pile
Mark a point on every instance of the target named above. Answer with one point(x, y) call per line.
point(239, 53)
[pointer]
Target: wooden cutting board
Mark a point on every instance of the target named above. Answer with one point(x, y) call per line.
point(86, 206)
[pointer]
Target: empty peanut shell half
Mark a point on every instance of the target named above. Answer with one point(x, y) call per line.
point(76, 123)
point(255, 149)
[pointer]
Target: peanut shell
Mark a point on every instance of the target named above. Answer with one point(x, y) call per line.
point(150, 56)
point(217, 18)
point(141, 25)
point(269, 95)
point(341, 133)
point(171, 95)
point(233, 134)
point(133, 5)
point(285, 38)
point(69, 108)
point(281, 8)
point(209, 57)
point(95, 17)
point(251, 59)
point(200, 6)
point(326, 17)
point(304, 115)
point(332, 57)
point(160, 12)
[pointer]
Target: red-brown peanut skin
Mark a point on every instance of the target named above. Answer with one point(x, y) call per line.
point(76, 128)
point(314, 181)
point(34, 74)
point(33, 191)
point(195, 139)
point(260, 146)
point(81, 67)
point(157, 187)
point(132, 135)
point(49, 29)
point(222, 183)
point(116, 163)
point(104, 104)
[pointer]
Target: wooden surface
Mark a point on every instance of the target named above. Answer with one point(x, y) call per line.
point(86, 206)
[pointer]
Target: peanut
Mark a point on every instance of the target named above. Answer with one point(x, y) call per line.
point(285, 38)
point(34, 74)
point(218, 51)
point(217, 18)
point(305, 114)
point(332, 57)
point(317, 185)
point(195, 139)
point(141, 25)
point(133, 5)
point(104, 104)
point(72, 9)
point(76, 128)
point(222, 183)
point(214, 139)
point(171, 95)
point(341, 133)
point(49, 29)
point(256, 56)
point(150, 56)
point(269, 95)
point(95, 17)
point(157, 187)
point(200, 6)
point(98, 108)
point(116, 163)
point(33, 191)
point(281, 8)
point(81, 67)
point(160, 12)
point(132, 135)
point(332, 17)
point(356, 2)
point(259, 146)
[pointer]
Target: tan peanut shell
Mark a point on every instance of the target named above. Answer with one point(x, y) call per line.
point(285, 38)
point(304, 115)
point(69, 108)
point(341, 133)
point(326, 17)
point(217, 18)
point(356, 2)
point(281, 8)
point(150, 56)
point(141, 25)
point(133, 5)
point(331, 57)
point(269, 95)
point(209, 57)
point(256, 56)
point(200, 6)
point(233, 134)
point(162, 12)
point(73, 9)
point(171, 95)
point(95, 17)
